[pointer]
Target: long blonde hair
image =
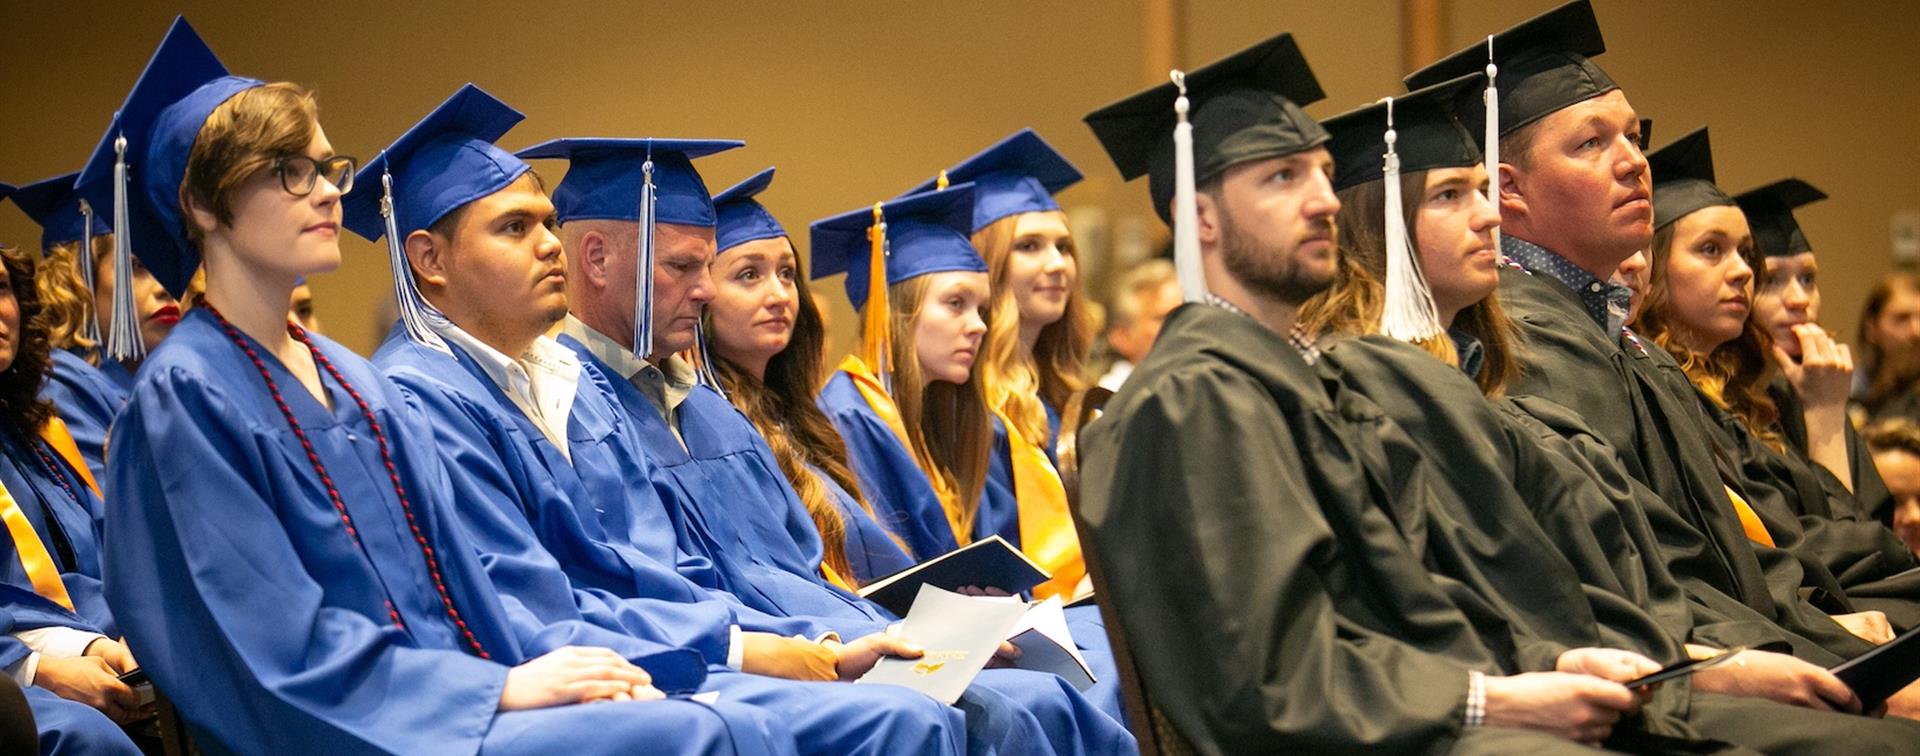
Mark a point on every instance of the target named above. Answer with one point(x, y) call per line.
point(1017, 381)
point(948, 428)
point(65, 302)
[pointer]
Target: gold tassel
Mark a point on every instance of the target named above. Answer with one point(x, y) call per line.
point(876, 338)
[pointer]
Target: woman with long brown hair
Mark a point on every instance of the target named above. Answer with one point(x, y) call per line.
point(767, 342)
point(1038, 334)
point(1698, 305)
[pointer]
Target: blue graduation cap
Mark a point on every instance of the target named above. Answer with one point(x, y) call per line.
point(923, 233)
point(7, 190)
point(907, 237)
point(62, 215)
point(741, 217)
point(1019, 174)
point(647, 181)
point(139, 165)
point(604, 178)
point(442, 163)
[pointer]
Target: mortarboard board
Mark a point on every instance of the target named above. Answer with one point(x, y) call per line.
point(740, 215)
point(439, 165)
point(1683, 178)
point(140, 163)
point(904, 238)
point(926, 233)
point(1769, 211)
point(604, 178)
point(54, 205)
point(1541, 65)
point(1427, 134)
point(1381, 142)
point(1018, 174)
point(1245, 107)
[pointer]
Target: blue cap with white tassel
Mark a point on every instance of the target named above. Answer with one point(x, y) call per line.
point(445, 161)
point(148, 142)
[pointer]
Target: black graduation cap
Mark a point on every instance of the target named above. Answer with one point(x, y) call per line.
point(1769, 211)
point(1683, 178)
point(1543, 67)
point(1245, 106)
point(1427, 135)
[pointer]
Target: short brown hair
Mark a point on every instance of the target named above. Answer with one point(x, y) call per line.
point(240, 138)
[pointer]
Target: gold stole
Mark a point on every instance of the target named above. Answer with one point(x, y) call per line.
point(1749, 519)
point(42, 571)
point(1046, 527)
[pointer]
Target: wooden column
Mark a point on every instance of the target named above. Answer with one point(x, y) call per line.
point(1163, 36)
point(1423, 32)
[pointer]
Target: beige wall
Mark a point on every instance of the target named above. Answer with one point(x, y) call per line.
point(856, 101)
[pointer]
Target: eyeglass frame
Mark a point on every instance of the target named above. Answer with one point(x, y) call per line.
point(280, 165)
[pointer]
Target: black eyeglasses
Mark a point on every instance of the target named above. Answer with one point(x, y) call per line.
point(299, 173)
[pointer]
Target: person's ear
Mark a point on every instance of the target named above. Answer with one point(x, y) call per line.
point(427, 257)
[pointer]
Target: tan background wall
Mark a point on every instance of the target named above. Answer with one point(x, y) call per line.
point(858, 100)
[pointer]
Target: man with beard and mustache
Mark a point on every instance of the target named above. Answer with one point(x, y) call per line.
point(1301, 614)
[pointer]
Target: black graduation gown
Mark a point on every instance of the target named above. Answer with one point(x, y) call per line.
point(1269, 580)
point(1797, 499)
point(1498, 488)
point(1629, 398)
point(1870, 493)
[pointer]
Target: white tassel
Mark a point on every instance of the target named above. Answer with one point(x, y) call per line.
point(1492, 96)
point(419, 317)
point(643, 274)
point(85, 261)
point(123, 339)
point(1186, 209)
point(1409, 314)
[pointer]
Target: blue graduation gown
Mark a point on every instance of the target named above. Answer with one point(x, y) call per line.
point(88, 400)
point(883, 463)
point(244, 596)
point(505, 473)
point(68, 527)
point(727, 464)
point(872, 552)
point(892, 481)
point(735, 510)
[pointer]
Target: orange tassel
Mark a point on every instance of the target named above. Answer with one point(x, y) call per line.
point(876, 346)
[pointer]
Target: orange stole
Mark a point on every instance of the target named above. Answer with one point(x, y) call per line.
point(1046, 527)
point(56, 435)
point(42, 571)
point(1749, 519)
